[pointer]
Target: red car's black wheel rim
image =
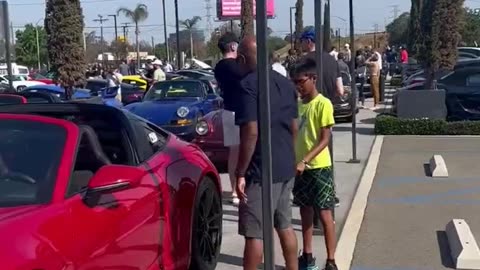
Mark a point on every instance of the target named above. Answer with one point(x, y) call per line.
point(208, 231)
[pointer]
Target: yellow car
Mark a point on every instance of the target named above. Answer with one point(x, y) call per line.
point(135, 80)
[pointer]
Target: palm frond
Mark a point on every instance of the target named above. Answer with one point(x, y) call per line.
point(126, 12)
point(141, 12)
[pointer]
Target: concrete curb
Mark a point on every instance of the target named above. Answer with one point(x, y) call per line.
point(438, 167)
point(348, 238)
point(463, 247)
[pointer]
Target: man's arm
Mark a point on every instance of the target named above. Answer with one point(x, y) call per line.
point(339, 82)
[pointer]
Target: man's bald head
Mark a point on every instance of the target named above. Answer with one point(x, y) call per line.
point(247, 53)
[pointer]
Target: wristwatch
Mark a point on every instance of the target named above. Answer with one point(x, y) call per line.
point(238, 173)
point(304, 162)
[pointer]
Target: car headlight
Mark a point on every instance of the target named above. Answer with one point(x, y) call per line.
point(182, 112)
point(201, 128)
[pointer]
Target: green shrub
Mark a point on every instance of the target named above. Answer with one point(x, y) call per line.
point(396, 81)
point(391, 125)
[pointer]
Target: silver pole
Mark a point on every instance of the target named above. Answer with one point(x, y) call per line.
point(7, 42)
point(165, 34)
point(354, 159)
point(319, 44)
point(265, 135)
point(38, 48)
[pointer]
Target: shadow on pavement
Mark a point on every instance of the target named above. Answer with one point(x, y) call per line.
point(444, 249)
point(368, 121)
point(363, 131)
point(426, 168)
point(237, 261)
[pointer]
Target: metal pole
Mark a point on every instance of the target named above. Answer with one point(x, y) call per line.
point(7, 42)
point(38, 48)
point(165, 31)
point(354, 159)
point(291, 28)
point(319, 44)
point(177, 29)
point(265, 135)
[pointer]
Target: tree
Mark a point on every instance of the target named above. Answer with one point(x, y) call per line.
point(64, 28)
point(327, 34)
point(137, 15)
point(414, 40)
point(398, 30)
point(212, 44)
point(298, 23)
point(26, 45)
point(442, 21)
point(191, 25)
point(276, 43)
point(247, 18)
point(471, 30)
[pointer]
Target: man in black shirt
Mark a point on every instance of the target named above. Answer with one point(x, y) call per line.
point(228, 76)
point(284, 112)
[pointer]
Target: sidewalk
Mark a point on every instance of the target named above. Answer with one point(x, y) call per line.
point(347, 178)
point(406, 214)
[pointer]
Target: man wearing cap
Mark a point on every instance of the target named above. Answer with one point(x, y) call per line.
point(158, 74)
point(228, 75)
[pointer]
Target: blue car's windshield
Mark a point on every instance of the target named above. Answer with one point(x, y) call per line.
point(175, 89)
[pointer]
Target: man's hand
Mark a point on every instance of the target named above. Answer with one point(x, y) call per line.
point(240, 188)
point(300, 168)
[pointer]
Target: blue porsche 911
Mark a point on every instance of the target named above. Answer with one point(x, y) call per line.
point(178, 105)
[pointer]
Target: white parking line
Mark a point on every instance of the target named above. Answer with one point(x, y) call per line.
point(348, 238)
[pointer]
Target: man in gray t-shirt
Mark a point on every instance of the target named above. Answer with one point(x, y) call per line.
point(124, 68)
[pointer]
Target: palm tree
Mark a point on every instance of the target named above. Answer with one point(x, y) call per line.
point(191, 25)
point(247, 18)
point(298, 22)
point(139, 14)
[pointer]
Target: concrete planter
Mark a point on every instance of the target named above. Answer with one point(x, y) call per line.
point(418, 104)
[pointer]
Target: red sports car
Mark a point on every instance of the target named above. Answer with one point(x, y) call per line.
point(40, 78)
point(210, 138)
point(86, 186)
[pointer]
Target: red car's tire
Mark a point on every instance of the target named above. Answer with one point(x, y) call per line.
point(206, 227)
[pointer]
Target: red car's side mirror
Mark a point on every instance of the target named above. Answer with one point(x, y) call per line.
point(113, 178)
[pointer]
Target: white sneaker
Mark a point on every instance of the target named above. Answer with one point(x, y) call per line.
point(236, 201)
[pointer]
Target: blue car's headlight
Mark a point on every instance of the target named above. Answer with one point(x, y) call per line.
point(182, 112)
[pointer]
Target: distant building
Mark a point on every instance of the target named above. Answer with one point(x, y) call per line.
point(198, 37)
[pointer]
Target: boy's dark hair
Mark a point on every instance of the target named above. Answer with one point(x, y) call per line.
point(341, 56)
point(225, 41)
point(306, 66)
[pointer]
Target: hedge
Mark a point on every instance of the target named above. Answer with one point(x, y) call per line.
point(391, 125)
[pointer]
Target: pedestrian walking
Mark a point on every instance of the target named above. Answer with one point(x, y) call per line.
point(374, 71)
point(314, 189)
point(277, 65)
point(291, 60)
point(284, 111)
point(228, 75)
point(124, 69)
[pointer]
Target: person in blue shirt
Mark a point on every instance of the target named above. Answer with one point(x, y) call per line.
point(284, 112)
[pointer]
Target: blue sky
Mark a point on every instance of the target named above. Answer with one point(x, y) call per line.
point(367, 14)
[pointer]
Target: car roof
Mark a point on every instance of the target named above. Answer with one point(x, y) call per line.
point(467, 62)
point(48, 87)
point(67, 108)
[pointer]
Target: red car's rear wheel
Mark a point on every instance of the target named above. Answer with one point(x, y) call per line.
point(207, 227)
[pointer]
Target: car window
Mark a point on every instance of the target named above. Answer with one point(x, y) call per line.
point(23, 71)
point(456, 78)
point(193, 75)
point(30, 155)
point(2, 79)
point(175, 89)
point(44, 91)
point(473, 80)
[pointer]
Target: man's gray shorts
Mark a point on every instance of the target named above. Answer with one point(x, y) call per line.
point(250, 213)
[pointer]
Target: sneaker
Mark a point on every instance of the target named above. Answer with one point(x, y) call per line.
point(303, 264)
point(235, 201)
point(330, 266)
point(337, 202)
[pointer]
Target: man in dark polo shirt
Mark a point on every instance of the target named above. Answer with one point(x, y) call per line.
point(284, 111)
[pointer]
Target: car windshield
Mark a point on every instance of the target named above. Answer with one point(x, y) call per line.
point(16, 78)
point(175, 89)
point(30, 155)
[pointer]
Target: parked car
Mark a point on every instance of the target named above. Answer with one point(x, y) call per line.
point(19, 82)
point(56, 94)
point(130, 93)
point(40, 78)
point(200, 74)
point(95, 187)
point(136, 81)
point(177, 105)
point(12, 99)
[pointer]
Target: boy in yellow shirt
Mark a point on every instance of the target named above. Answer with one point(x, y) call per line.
point(314, 188)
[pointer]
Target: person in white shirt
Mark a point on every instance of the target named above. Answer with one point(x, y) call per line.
point(334, 53)
point(168, 67)
point(379, 59)
point(277, 65)
point(348, 53)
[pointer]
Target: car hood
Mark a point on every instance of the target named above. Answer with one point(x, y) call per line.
point(8, 213)
point(162, 112)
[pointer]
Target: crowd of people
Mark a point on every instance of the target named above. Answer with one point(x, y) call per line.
point(302, 118)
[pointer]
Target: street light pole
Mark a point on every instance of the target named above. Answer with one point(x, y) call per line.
point(115, 25)
point(165, 31)
point(265, 135)
point(7, 41)
point(177, 29)
point(354, 159)
point(101, 20)
point(291, 26)
point(38, 45)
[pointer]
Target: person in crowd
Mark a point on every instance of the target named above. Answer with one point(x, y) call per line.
point(379, 59)
point(314, 189)
point(133, 67)
point(168, 67)
point(374, 71)
point(403, 55)
point(284, 111)
point(277, 65)
point(291, 59)
point(228, 75)
point(124, 68)
point(334, 53)
point(391, 58)
point(158, 74)
point(332, 82)
point(361, 73)
point(342, 65)
point(148, 76)
point(347, 52)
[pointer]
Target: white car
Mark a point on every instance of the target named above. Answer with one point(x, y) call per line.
point(19, 82)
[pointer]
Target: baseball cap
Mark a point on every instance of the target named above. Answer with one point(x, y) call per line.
point(157, 62)
point(308, 35)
